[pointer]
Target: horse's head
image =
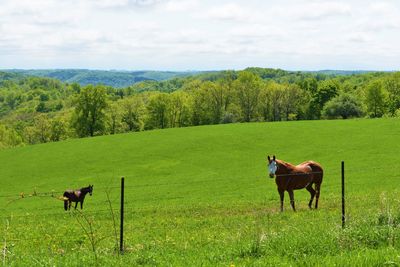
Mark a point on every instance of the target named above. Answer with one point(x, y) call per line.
point(272, 166)
point(90, 189)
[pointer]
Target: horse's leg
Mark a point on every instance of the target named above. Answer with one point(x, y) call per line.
point(291, 195)
point(69, 204)
point(312, 193)
point(82, 204)
point(282, 195)
point(317, 190)
point(76, 204)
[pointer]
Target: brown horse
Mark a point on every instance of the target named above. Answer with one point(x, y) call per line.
point(76, 196)
point(290, 177)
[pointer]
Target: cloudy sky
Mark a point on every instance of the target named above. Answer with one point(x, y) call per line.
point(200, 34)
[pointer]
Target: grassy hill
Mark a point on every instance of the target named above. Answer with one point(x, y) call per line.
point(201, 196)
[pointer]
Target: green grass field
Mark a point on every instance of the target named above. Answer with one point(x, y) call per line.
point(201, 196)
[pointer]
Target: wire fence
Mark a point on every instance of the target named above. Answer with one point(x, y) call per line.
point(55, 194)
point(297, 174)
point(36, 239)
point(32, 214)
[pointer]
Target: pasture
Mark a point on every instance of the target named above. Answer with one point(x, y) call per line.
point(201, 196)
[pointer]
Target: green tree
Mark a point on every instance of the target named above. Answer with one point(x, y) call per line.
point(343, 106)
point(158, 108)
point(326, 91)
point(42, 129)
point(309, 84)
point(225, 94)
point(392, 85)
point(179, 110)
point(210, 103)
point(114, 117)
point(265, 101)
point(201, 111)
point(277, 95)
point(375, 99)
point(274, 102)
point(9, 137)
point(293, 101)
point(30, 135)
point(58, 129)
point(247, 88)
point(89, 116)
point(41, 107)
point(133, 112)
point(76, 88)
point(215, 101)
point(13, 99)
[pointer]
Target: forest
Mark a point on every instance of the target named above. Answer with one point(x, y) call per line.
point(112, 78)
point(39, 110)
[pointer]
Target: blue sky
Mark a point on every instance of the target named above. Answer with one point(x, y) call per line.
point(200, 34)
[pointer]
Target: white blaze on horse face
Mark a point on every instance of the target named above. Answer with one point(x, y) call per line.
point(272, 167)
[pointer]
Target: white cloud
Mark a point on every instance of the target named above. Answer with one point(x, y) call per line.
point(323, 10)
point(230, 11)
point(123, 3)
point(359, 38)
point(194, 34)
point(181, 5)
point(378, 17)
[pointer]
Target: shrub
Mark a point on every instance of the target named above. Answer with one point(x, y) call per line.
point(343, 106)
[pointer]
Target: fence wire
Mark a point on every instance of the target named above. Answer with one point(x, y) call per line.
point(35, 238)
point(104, 189)
point(61, 214)
point(56, 194)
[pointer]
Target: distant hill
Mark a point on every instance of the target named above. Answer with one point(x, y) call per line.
point(10, 76)
point(84, 77)
point(119, 79)
point(343, 72)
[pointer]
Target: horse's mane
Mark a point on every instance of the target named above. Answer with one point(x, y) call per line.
point(286, 164)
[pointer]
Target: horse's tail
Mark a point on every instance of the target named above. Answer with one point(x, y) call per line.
point(65, 201)
point(318, 171)
point(318, 174)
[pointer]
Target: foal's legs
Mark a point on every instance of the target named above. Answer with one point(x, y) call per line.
point(282, 195)
point(291, 195)
point(317, 190)
point(312, 192)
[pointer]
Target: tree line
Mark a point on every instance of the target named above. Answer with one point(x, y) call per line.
point(39, 110)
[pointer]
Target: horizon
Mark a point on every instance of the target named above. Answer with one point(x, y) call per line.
point(189, 71)
point(194, 35)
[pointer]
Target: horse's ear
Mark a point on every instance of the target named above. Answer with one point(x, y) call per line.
point(273, 157)
point(269, 159)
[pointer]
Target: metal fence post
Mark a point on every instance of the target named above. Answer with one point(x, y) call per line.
point(121, 239)
point(343, 199)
